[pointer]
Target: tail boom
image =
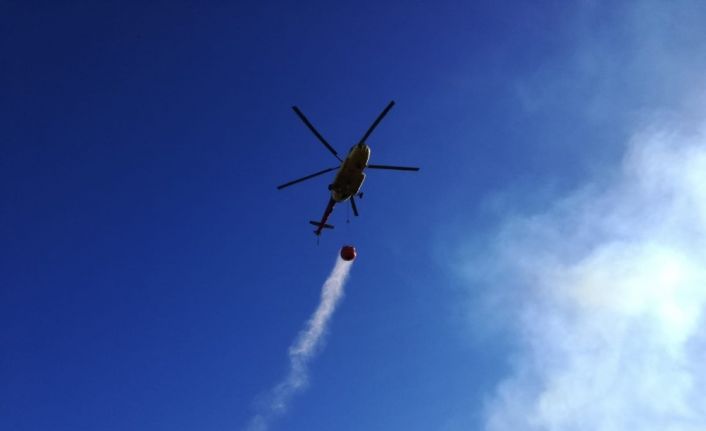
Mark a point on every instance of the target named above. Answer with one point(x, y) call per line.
point(321, 225)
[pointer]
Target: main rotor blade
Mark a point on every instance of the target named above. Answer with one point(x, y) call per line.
point(316, 132)
point(355, 208)
point(377, 121)
point(305, 178)
point(393, 168)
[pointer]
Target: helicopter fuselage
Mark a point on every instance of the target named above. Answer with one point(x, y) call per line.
point(350, 175)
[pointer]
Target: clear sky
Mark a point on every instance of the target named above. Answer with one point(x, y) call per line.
point(152, 277)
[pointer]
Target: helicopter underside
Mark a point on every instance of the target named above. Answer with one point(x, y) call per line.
point(347, 185)
point(350, 176)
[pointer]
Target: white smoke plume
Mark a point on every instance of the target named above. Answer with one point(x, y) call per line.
point(610, 290)
point(304, 348)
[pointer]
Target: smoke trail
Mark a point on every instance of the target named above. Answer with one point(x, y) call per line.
point(304, 348)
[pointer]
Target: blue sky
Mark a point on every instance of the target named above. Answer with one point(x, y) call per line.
point(151, 277)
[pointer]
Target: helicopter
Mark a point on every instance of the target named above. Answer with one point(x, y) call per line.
point(350, 176)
